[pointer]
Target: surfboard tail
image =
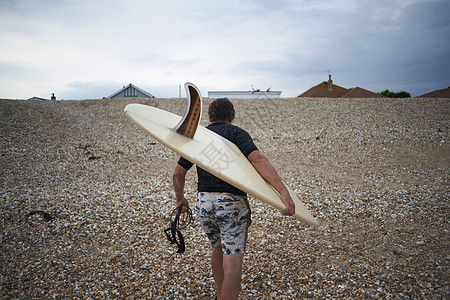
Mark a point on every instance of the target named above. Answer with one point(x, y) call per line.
point(189, 123)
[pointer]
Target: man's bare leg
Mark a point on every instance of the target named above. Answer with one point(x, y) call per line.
point(227, 271)
point(217, 267)
point(231, 285)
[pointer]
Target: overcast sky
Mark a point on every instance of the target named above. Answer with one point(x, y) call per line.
point(87, 49)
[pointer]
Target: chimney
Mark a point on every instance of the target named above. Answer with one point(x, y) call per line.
point(330, 83)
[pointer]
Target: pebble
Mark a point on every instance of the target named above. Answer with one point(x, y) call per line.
point(374, 172)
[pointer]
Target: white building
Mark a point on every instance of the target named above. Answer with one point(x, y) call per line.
point(243, 94)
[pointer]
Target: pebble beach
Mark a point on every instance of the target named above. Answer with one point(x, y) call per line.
point(85, 197)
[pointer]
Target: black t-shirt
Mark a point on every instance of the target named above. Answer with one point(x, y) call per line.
point(210, 183)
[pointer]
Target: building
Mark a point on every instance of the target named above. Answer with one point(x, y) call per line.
point(244, 94)
point(358, 92)
point(131, 91)
point(443, 93)
point(328, 89)
point(37, 98)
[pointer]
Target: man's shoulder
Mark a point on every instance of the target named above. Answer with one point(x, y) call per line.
point(236, 135)
point(234, 127)
point(224, 127)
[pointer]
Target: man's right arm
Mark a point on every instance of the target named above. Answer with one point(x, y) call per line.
point(268, 172)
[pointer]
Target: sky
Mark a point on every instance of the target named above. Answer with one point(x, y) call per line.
point(89, 49)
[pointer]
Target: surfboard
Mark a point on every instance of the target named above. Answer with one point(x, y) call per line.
point(209, 150)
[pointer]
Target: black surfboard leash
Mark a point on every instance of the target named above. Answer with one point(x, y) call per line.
point(181, 220)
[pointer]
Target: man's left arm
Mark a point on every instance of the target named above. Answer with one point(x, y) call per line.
point(268, 172)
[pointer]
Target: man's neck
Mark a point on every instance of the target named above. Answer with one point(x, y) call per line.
point(226, 122)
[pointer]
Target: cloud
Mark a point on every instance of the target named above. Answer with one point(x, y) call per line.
point(232, 44)
point(88, 90)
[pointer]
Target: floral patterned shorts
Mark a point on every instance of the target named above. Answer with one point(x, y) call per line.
point(225, 219)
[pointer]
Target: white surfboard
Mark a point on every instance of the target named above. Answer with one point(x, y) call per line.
point(209, 150)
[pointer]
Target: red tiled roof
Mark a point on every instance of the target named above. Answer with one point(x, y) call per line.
point(443, 93)
point(358, 92)
point(325, 90)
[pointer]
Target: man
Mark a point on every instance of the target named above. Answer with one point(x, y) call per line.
point(222, 209)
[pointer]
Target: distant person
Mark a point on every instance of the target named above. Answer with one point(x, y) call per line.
point(223, 210)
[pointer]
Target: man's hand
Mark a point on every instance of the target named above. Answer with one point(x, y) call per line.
point(290, 205)
point(184, 203)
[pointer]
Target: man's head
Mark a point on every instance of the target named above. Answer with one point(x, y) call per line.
point(221, 110)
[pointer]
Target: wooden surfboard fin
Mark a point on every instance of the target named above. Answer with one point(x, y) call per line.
point(189, 123)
